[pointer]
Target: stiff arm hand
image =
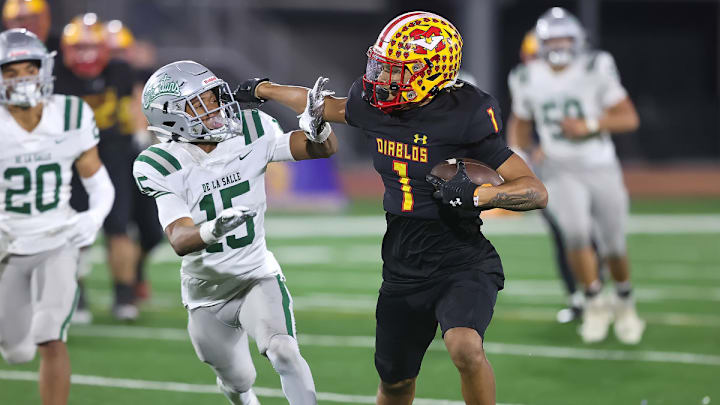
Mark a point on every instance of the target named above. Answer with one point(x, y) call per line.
point(311, 120)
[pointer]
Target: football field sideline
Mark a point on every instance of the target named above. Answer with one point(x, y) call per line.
point(368, 342)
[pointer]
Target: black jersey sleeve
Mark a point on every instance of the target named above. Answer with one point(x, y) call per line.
point(486, 119)
point(491, 150)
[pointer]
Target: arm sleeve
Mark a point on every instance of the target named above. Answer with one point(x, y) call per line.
point(611, 89)
point(170, 209)
point(170, 206)
point(89, 135)
point(492, 151)
point(486, 121)
point(279, 142)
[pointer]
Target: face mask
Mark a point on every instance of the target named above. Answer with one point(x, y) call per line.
point(24, 94)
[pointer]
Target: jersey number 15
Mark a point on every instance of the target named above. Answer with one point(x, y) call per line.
point(207, 204)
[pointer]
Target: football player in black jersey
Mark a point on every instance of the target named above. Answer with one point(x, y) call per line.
point(438, 268)
point(106, 85)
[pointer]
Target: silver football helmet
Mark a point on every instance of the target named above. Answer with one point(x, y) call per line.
point(559, 23)
point(17, 45)
point(175, 110)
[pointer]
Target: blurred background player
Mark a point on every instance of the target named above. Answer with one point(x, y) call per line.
point(106, 85)
point(575, 97)
point(39, 233)
point(534, 156)
point(33, 15)
point(141, 58)
point(208, 179)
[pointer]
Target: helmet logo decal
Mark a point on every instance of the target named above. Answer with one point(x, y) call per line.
point(19, 52)
point(209, 80)
point(164, 86)
point(430, 39)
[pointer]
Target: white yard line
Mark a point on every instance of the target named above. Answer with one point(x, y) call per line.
point(99, 381)
point(368, 342)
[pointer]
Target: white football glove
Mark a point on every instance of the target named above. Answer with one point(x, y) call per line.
point(228, 220)
point(311, 120)
point(82, 229)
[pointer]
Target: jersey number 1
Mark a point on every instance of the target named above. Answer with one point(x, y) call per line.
point(207, 204)
point(401, 168)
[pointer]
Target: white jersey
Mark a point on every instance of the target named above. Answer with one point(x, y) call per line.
point(188, 182)
point(36, 171)
point(584, 89)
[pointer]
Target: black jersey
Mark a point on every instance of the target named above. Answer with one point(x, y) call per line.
point(109, 95)
point(462, 121)
point(426, 240)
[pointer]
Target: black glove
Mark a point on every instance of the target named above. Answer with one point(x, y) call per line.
point(459, 191)
point(245, 92)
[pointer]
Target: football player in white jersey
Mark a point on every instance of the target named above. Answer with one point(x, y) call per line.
point(575, 98)
point(44, 135)
point(208, 180)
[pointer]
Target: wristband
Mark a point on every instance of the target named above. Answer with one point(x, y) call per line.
point(323, 135)
point(592, 124)
point(206, 232)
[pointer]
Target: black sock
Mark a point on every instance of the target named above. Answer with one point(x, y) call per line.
point(593, 289)
point(124, 294)
point(623, 289)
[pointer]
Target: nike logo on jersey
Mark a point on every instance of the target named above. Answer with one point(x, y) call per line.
point(61, 140)
point(241, 157)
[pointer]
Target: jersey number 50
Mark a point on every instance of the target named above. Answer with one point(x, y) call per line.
point(207, 204)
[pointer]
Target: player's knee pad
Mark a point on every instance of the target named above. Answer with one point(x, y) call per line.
point(19, 354)
point(237, 378)
point(283, 352)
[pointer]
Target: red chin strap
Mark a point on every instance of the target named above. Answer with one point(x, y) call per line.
point(378, 93)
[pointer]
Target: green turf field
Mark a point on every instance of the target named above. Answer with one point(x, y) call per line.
point(334, 280)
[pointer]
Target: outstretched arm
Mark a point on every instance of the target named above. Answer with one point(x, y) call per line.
point(295, 98)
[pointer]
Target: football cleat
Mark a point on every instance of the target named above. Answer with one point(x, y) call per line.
point(628, 326)
point(596, 320)
point(125, 312)
point(81, 316)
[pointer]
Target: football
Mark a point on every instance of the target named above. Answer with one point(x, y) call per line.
point(480, 173)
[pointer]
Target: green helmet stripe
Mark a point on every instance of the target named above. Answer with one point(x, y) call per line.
point(165, 155)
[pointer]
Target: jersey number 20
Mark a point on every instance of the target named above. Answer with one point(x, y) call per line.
point(207, 204)
point(25, 175)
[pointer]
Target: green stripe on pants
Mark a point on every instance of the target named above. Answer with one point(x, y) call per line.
point(286, 305)
point(72, 311)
